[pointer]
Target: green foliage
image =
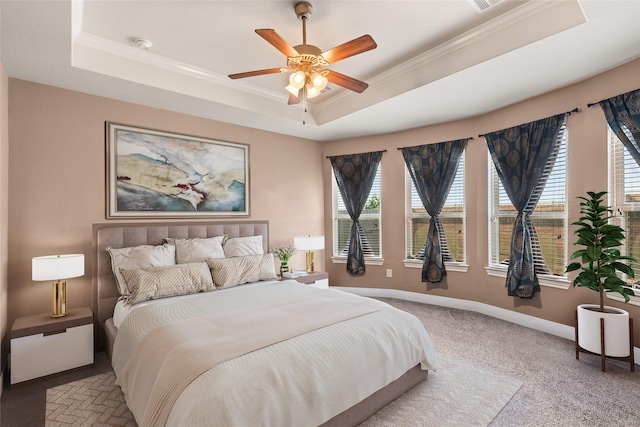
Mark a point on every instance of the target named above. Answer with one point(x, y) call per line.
point(373, 202)
point(599, 259)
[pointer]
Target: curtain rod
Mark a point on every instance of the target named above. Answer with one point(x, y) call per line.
point(400, 148)
point(596, 103)
point(575, 110)
point(379, 151)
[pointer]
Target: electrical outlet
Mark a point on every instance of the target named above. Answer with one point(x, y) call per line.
point(389, 272)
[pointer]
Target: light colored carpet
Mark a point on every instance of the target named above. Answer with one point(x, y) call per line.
point(558, 390)
point(457, 394)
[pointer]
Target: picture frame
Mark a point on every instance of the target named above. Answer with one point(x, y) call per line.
point(159, 174)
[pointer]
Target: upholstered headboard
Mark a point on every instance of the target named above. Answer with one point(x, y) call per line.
point(119, 235)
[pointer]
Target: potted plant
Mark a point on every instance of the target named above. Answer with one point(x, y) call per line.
point(283, 253)
point(600, 260)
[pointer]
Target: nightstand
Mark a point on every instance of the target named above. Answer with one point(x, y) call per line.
point(42, 345)
point(317, 279)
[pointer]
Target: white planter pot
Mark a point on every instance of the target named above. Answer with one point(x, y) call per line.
point(616, 330)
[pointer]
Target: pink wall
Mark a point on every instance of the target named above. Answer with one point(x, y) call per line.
point(4, 215)
point(57, 176)
point(587, 169)
point(58, 186)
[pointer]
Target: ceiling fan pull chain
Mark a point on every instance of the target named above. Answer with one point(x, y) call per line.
point(304, 106)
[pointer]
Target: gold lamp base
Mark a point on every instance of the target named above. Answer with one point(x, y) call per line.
point(310, 267)
point(59, 299)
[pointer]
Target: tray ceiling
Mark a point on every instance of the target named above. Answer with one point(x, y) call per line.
point(436, 61)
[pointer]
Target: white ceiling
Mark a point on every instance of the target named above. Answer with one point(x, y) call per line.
point(436, 61)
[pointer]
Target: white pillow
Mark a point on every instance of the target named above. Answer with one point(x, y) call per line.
point(197, 250)
point(168, 281)
point(135, 257)
point(230, 272)
point(243, 246)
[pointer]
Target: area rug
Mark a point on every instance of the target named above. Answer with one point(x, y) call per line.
point(93, 401)
point(457, 394)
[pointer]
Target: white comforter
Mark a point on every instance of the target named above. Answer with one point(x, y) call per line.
point(303, 381)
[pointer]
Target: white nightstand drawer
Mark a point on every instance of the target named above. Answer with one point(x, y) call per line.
point(322, 284)
point(317, 279)
point(38, 355)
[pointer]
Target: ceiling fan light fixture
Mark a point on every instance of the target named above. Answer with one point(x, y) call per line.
point(297, 79)
point(311, 91)
point(306, 62)
point(319, 81)
point(292, 90)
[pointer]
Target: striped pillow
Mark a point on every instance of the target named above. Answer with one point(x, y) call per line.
point(135, 257)
point(229, 272)
point(160, 282)
point(198, 250)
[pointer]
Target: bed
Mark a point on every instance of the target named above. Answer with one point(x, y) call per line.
point(334, 360)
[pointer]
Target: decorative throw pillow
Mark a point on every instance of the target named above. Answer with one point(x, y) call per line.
point(135, 257)
point(243, 246)
point(230, 272)
point(160, 282)
point(198, 250)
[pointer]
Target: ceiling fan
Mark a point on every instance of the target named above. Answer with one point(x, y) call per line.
point(307, 62)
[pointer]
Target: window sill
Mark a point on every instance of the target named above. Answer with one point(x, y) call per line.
point(547, 280)
point(632, 300)
point(367, 260)
point(450, 266)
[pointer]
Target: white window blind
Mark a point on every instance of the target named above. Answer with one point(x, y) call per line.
point(369, 220)
point(624, 196)
point(549, 218)
point(451, 217)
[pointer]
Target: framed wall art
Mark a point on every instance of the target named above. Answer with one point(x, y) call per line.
point(157, 174)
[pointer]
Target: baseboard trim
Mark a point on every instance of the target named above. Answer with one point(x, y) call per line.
point(553, 328)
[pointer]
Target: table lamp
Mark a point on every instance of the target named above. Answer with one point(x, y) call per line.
point(58, 268)
point(309, 244)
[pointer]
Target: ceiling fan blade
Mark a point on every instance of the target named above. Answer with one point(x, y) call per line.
point(255, 73)
point(346, 81)
point(350, 48)
point(278, 42)
point(294, 99)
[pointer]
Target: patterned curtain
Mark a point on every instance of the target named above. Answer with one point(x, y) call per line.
point(354, 175)
point(623, 115)
point(433, 168)
point(520, 154)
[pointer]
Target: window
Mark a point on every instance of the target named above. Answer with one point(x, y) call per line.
point(451, 217)
point(369, 220)
point(624, 197)
point(550, 217)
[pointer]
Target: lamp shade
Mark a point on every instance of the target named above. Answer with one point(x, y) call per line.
point(308, 243)
point(312, 92)
point(292, 90)
point(297, 79)
point(57, 267)
point(319, 81)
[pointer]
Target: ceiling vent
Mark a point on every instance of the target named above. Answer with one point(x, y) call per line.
point(482, 5)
